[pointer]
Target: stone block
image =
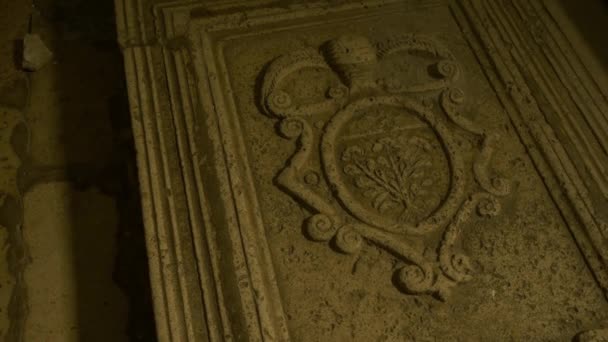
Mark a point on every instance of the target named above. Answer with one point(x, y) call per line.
point(367, 170)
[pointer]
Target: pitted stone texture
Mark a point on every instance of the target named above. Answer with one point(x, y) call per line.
point(275, 118)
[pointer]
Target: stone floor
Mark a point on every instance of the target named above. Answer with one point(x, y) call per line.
point(75, 266)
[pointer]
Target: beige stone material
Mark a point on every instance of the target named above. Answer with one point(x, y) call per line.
point(71, 296)
point(367, 170)
point(13, 147)
point(13, 143)
point(35, 53)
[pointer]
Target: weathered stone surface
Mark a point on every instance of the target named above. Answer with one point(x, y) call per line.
point(13, 140)
point(7, 283)
point(13, 143)
point(593, 336)
point(367, 170)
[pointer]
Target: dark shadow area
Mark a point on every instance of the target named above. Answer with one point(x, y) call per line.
point(13, 92)
point(591, 19)
point(131, 268)
point(99, 158)
point(17, 53)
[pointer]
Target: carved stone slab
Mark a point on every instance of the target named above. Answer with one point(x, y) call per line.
point(367, 171)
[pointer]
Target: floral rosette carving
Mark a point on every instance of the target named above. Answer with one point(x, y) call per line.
point(389, 155)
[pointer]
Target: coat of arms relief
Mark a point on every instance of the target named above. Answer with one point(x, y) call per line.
point(387, 147)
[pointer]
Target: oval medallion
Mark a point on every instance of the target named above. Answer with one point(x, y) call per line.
point(390, 163)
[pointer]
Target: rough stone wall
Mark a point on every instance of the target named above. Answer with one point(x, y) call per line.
point(14, 19)
point(65, 162)
point(291, 152)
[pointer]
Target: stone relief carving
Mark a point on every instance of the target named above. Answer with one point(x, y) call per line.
point(144, 34)
point(600, 335)
point(388, 148)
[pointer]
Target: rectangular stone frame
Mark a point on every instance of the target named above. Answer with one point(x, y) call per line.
point(210, 266)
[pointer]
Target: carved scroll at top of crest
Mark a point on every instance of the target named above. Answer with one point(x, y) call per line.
point(355, 59)
point(414, 44)
point(386, 180)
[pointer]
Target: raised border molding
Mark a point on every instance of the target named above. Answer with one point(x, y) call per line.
point(520, 78)
point(175, 94)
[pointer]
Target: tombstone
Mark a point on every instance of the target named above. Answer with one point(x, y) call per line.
point(374, 170)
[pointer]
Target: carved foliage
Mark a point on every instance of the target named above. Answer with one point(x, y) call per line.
point(390, 171)
point(389, 157)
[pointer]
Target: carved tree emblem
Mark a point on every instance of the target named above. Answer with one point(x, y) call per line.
point(387, 150)
point(390, 173)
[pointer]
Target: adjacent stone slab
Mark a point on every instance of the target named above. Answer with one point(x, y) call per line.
point(376, 170)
